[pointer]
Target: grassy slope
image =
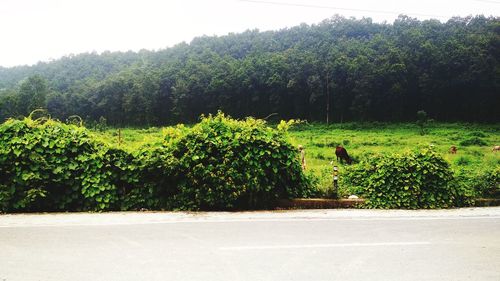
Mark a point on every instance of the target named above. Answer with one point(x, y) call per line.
point(362, 140)
point(130, 139)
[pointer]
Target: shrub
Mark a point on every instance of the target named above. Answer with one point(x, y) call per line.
point(422, 122)
point(477, 134)
point(318, 144)
point(326, 143)
point(476, 153)
point(320, 156)
point(473, 141)
point(49, 166)
point(222, 163)
point(488, 183)
point(463, 161)
point(484, 183)
point(414, 180)
point(332, 143)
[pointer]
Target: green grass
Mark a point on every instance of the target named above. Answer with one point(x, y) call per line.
point(362, 140)
point(130, 139)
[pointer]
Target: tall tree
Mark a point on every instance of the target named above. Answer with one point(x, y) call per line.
point(32, 94)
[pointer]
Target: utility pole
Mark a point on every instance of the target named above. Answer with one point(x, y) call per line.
point(327, 101)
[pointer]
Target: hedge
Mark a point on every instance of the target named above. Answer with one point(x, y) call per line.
point(218, 164)
point(411, 180)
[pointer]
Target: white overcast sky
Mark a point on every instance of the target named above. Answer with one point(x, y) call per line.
point(42, 30)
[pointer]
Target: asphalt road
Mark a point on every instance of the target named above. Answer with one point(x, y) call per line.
point(343, 245)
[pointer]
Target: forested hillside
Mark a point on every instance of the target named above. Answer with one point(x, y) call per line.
point(364, 71)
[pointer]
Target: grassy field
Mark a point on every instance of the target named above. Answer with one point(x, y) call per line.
point(474, 143)
point(366, 140)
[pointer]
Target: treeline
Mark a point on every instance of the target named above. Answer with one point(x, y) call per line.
point(364, 71)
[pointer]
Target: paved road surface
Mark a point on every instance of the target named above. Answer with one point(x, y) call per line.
point(342, 245)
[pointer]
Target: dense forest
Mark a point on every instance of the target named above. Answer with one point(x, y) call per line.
point(341, 69)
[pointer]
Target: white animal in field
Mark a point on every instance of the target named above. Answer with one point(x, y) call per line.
point(302, 157)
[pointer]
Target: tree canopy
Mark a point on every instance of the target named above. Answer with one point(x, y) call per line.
point(364, 71)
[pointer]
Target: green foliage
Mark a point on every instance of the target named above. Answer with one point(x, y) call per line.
point(284, 126)
point(463, 161)
point(375, 71)
point(219, 163)
point(484, 184)
point(414, 180)
point(473, 141)
point(477, 134)
point(155, 178)
point(100, 125)
point(422, 121)
point(320, 156)
point(488, 183)
point(32, 94)
point(369, 139)
point(222, 163)
point(49, 166)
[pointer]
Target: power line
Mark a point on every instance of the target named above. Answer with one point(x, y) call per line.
point(340, 8)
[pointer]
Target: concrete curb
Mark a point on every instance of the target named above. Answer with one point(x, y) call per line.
point(318, 203)
point(486, 202)
point(321, 203)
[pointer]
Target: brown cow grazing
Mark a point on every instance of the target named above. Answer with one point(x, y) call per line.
point(342, 154)
point(496, 148)
point(453, 149)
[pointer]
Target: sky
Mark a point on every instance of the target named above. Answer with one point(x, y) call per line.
point(44, 30)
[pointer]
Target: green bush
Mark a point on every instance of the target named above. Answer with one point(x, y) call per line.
point(320, 156)
point(478, 134)
point(50, 166)
point(473, 141)
point(414, 180)
point(485, 184)
point(463, 161)
point(222, 163)
point(488, 183)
